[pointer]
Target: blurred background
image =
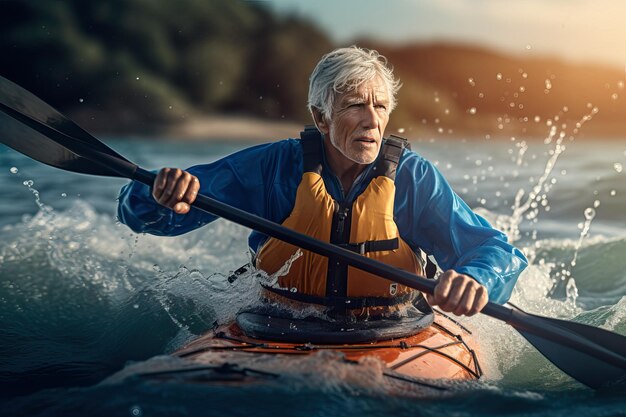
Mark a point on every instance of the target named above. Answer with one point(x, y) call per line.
point(470, 68)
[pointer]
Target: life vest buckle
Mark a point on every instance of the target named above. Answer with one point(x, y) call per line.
point(372, 246)
point(362, 248)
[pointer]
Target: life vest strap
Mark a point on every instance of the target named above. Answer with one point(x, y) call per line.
point(390, 156)
point(311, 149)
point(372, 246)
point(342, 302)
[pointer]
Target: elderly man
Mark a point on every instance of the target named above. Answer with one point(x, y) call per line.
point(343, 183)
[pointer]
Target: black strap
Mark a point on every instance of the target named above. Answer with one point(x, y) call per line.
point(372, 246)
point(390, 154)
point(348, 303)
point(311, 149)
point(310, 132)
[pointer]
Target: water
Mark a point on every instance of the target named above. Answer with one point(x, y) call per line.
point(83, 298)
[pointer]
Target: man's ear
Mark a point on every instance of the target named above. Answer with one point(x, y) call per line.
point(320, 121)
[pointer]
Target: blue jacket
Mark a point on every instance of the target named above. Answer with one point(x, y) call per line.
point(263, 180)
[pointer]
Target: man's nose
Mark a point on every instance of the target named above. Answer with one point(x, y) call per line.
point(370, 118)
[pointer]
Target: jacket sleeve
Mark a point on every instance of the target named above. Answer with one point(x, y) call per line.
point(438, 221)
point(239, 180)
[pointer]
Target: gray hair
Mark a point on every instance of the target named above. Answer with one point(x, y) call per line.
point(345, 69)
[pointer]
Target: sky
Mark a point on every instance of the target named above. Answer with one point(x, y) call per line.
point(575, 30)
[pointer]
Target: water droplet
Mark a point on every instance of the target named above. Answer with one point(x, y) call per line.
point(137, 78)
point(472, 110)
point(28, 183)
point(13, 170)
point(293, 289)
point(596, 204)
point(613, 193)
point(590, 213)
point(548, 84)
point(401, 130)
point(471, 82)
point(618, 167)
point(614, 96)
point(63, 195)
point(80, 100)
point(498, 76)
point(135, 306)
point(528, 47)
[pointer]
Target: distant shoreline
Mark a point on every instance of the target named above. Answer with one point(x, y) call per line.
point(197, 128)
point(237, 128)
point(248, 129)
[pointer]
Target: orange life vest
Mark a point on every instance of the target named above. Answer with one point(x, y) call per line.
point(366, 226)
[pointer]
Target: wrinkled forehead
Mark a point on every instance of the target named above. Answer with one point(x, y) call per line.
point(374, 87)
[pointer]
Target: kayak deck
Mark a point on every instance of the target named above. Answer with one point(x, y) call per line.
point(440, 351)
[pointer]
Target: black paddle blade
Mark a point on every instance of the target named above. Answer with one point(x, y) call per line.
point(594, 356)
point(34, 128)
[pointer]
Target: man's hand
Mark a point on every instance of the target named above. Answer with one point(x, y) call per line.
point(175, 189)
point(459, 294)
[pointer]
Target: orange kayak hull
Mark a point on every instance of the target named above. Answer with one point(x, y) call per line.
point(442, 351)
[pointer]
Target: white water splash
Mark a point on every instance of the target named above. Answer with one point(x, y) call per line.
point(536, 198)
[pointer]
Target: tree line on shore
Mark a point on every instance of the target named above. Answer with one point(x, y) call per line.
point(127, 65)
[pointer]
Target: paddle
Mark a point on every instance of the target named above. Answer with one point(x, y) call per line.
point(593, 356)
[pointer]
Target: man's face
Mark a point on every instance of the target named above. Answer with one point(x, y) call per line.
point(358, 122)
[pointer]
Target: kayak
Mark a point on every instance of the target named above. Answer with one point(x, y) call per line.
point(258, 347)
